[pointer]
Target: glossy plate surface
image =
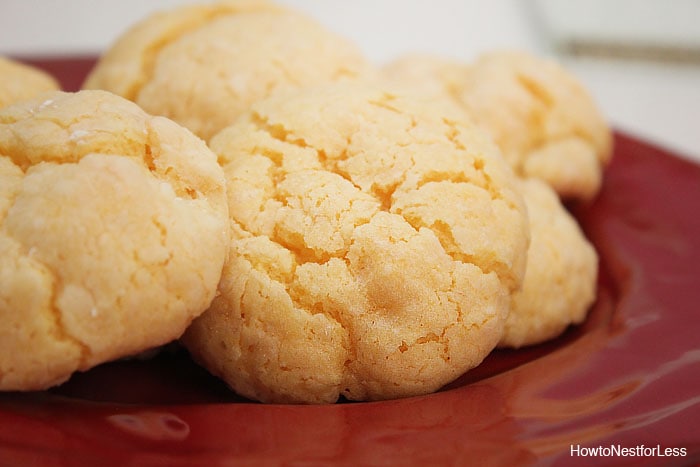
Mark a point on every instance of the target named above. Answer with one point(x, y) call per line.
point(627, 377)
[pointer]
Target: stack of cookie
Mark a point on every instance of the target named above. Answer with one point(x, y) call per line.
point(309, 226)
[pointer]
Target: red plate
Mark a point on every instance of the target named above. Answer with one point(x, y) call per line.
point(626, 378)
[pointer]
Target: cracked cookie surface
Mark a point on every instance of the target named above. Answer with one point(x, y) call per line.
point(560, 281)
point(203, 65)
point(544, 121)
point(113, 233)
point(376, 240)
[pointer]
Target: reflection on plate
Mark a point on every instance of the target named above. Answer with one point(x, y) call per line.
point(626, 378)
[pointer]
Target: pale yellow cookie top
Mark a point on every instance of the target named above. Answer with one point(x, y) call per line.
point(376, 239)
point(113, 229)
point(562, 270)
point(19, 82)
point(204, 65)
point(543, 119)
point(429, 74)
point(545, 122)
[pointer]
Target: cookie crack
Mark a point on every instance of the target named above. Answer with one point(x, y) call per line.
point(151, 51)
point(278, 132)
point(477, 163)
point(61, 333)
point(384, 102)
point(58, 329)
point(428, 338)
point(333, 165)
point(17, 157)
point(534, 89)
point(163, 232)
point(443, 232)
point(452, 134)
point(71, 142)
point(151, 157)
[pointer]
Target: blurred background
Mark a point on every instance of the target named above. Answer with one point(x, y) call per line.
point(640, 59)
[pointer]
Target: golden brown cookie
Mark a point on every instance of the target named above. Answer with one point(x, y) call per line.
point(541, 117)
point(376, 240)
point(19, 82)
point(562, 271)
point(203, 65)
point(113, 234)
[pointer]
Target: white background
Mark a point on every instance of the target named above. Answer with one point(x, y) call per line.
point(654, 100)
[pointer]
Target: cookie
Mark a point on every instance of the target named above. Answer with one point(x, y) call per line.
point(376, 240)
point(429, 74)
point(544, 121)
point(113, 234)
point(204, 65)
point(20, 82)
point(561, 276)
